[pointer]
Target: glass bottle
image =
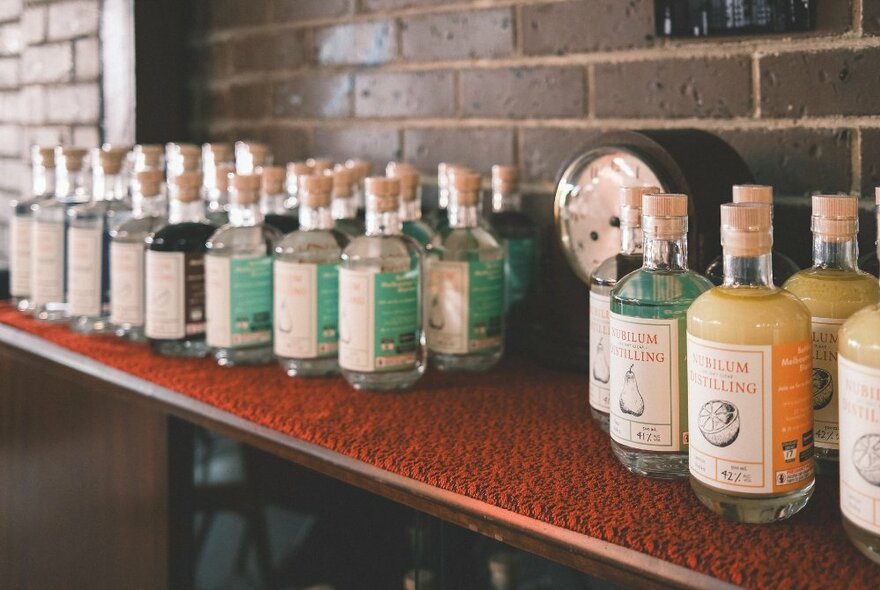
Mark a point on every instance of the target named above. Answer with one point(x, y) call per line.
point(381, 343)
point(306, 279)
point(411, 206)
point(238, 280)
point(602, 280)
point(250, 155)
point(147, 157)
point(175, 273)
point(783, 266)
point(749, 370)
point(180, 158)
point(344, 207)
point(649, 390)
point(128, 248)
point(361, 169)
point(320, 165)
point(21, 225)
point(217, 197)
point(859, 389)
point(870, 263)
point(294, 171)
point(88, 243)
point(439, 218)
point(273, 200)
point(466, 286)
point(833, 289)
point(49, 234)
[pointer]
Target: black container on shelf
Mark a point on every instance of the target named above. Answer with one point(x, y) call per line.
point(701, 18)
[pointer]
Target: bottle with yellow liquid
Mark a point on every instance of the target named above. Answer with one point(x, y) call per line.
point(750, 410)
point(833, 289)
point(859, 390)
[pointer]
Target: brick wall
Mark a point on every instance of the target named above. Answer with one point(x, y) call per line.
point(50, 72)
point(528, 81)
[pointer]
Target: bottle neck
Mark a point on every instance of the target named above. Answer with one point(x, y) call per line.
point(442, 197)
point(142, 206)
point(386, 223)
point(245, 215)
point(218, 199)
point(315, 218)
point(183, 212)
point(506, 201)
point(70, 183)
point(274, 203)
point(838, 255)
point(344, 207)
point(665, 252)
point(411, 210)
point(107, 187)
point(463, 216)
point(631, 239)
point(748, 271)
point(42, 181)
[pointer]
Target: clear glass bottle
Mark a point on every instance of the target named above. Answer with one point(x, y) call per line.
point(294, 171)
point(344, 207)
point(466, 286)
point(439, 218)
point(128, 248)
point(250, 155)
point(749, 371)
point(381, 342)
point(238, 280)
point(49, 234)
point(180, 158)
point(273, 200)
point(870, 263)
point(88, 243)
point(411, 206)
point(147, 156)
point(783, 266)
point(518, 233)
point(648, 385)
point(859, 389)
point(21, 225)
point(175, 273)
point(602, 280)
point(361, 169)
point(833, 289)
point(306, 283)
point(320, 165)
point(217, 197)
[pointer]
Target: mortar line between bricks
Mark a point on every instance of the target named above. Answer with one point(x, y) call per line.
point(858, 13)
point(590, 91)
point(856, 160)
point(756, 85)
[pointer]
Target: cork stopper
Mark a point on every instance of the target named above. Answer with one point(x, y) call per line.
point(246, 188)
point(221, 176)
point(316, 190)
point(409, 183)
point(361, 168)
point(188, 186)
point(273, 179)
point(70, 157)
point(753, 193)
point(877, 196)
point(465, 187)
point(320, 164)
point(43, 156)
point(299, 168)
point(343, 181)
point(630, 199)
point(218, 152)
point(505, 179)
point(259, 153)
point(835, 217)
point(392, 167)
point(149, 182)
point(382, 193)
point(746, 229)
point(664, 216)
point(148, 155)
point(109, 159)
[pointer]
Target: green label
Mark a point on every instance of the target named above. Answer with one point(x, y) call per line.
point(485, 304)
point(250, 301)
point(396, 318)
point(520, 267)
point(327, 309)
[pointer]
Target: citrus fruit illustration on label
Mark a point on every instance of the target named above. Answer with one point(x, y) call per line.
point(823, 388)
point(631, 400)
point(866, 458)
point(601, 371)
point(719, 422)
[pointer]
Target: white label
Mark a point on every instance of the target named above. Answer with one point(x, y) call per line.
point(447, 313)
point(47, 270)
point(164, 295)
point(356, 322)
point(646, 397)
point(127, 283)
point(20, 255)
point(825, 398)
point(296, 311)
point(859, 389)
point(600, 351)
point(217, 302)
point(84, 265)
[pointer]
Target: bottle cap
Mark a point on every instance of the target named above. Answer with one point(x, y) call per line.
point(188, 185)
point(259, 152)
point(149, 181)
point(382, 193)
point(630, 200)
point(392, 167)
point(835, 217)
point(219, 152)
point(664, 216)
point(362, 169)
point(273, 179)
point(182, 149)
point(71, 157)
point(247, 188)
point(109, 159)
point(753, 193)
point(343, 179)
point(505, 179)
point(148, 155)
point(746, 228)
point(409, 183)
point(316, 190)
point(465, 187)
point(221, 175)
point(43, 156)
point(320, 164)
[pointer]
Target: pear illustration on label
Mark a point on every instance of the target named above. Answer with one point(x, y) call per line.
point(601, 371)
point(631, 400)
point(866, 458)
point(161, 299)
point(285, 323)
point(437, 318)
point(823, 388)
point(719, 422)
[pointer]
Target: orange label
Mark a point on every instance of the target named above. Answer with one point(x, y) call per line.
point(793, 462)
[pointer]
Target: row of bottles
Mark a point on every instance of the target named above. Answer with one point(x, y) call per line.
point(322, 267)
point(743, 385)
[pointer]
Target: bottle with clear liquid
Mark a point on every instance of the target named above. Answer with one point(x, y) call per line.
point(602, 280)
point(749, 372)
point(88, 243)
point(518, 233)
point(294, 171)
point(859, 389)
point(238, 280)
point(466, 286)
point(783, 266)
point(320, 165)
point(250, 155)
point(128, 248)
point(306, 282)
point(273, 200)
point(21, 226)
point(49, 234)
point(411, 206)
point(216, 166)
point(175, 273)
point(180, 158)
point(381, 343)
point(360, 169)
point(439, 218)
point(648, 385)
point(833, 289)
point(344, 207)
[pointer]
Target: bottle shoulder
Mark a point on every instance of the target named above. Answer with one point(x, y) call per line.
point(749, 315)
point(614, 268)
point(470, 239)
point(301, 242)
point(189, 236)
point(859, 337)
point(513, 225)
point(645, 283)
point(138, 227)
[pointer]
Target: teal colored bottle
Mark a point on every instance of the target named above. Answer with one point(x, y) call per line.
point(648, 340)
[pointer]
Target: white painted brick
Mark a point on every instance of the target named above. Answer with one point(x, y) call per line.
point(10, 140)
point(75, 103)
point(68, 20)
point(9, 72)
point(10, 39)
point(10, 106)
point(10, 9)
point(47, 63)
point(87, 59)
point(33, 24)
point(33, 99)
point(87, 137)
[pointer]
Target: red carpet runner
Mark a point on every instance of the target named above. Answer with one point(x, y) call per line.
point(519, 438)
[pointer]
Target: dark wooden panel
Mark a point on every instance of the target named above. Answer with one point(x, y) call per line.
point(83, 483)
